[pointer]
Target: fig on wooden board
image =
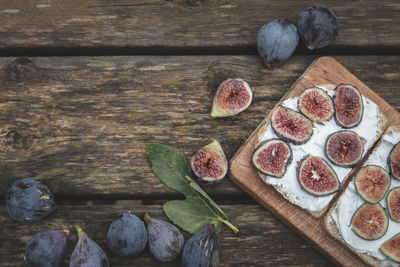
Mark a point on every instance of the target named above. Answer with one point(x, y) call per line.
point(370, 221)
point(232, 97)
point(391, 248)
point(291, 126)
point(272, 157)
point(349, 107)
point(316, 105)
point(394, 161)
point(344, 148)
point(393, 204)
point(372, 182)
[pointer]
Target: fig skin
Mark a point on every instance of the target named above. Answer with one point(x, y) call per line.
point(209, 164)
point(288, 161)
point(87, 253)
point(127, 235)
point(325, 97)
point(46, 249)
point(203, 249)
point(367, 206)
point(29, 200)
point(391, 248)
point(165, 240)
point(346, 165)
point(309, 190)
point(386, 183)
point(276, 41)
point(318, 27)
point(395, 174)
point(361, 103)
point(393, 204)
point(289, 137)
point(232, 97)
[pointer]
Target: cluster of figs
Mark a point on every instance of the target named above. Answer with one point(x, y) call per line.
point(278, 39)
point(343, 148)
point(29, 200)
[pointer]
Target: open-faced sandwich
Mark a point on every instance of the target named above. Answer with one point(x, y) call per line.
point(312, 142)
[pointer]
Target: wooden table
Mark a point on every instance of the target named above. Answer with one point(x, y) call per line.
point(86, 84)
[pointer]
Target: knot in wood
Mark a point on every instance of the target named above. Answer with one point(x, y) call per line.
point(18, 139)
point(23, 69)
point(194, 3)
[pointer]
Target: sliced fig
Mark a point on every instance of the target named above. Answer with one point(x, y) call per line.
point(391, 248)
point(372, 182)
point(393, 204)
point(317, 177)
point(394, 161)
point(209, 163)
point(344, 148)
point(349, 106)
point(370, 221)
point(232, 97)
point(291, 126)
point(316, 105)
point(271, 157)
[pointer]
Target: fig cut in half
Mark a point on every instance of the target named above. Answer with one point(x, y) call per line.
point(349, 106)
point(370, 221)
point(209, 163)
point(372, 182)
point(316, 105)
point(344, 148)
point(393, 204)
point(271, 157)
point(291, 126)
point(391, 248)
point(394, 161)
point(317, 177)
point(232, 97)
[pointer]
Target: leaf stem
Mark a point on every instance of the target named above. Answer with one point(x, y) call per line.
point(234, 228)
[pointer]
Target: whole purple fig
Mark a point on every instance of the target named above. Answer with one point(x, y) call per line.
point(203, 249)
point(46, 249)
point(165, 240)
point(87, 253)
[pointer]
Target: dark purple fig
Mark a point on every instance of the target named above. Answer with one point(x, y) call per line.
point(318, 26)
point(232, 97)
point(29, 200)
point(372, 182)
point(393, 204)
point(272, 157)
point(344, 148)
point(349, 106)
point(316, 105)
point(87, 253)
point(291, 126)
point(209, 163)
point(127, 235)
point(317, 177)
point(203, 249)
point(46, 249)
point(391, 248)
point(370, 221)
point(394, 161)
point(276, 41)
point(165, 240)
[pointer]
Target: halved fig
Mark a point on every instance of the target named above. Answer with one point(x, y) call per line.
point(317, 177)
point(393, 204)
point(349, 106)
point(372, 182)
point(391, 248)
point(291, 126)
point(316, 105)
point(370, 221)
point(232, 97)
point(344, 148)
point(394, 161)
point(271, 157)
point(209, 163)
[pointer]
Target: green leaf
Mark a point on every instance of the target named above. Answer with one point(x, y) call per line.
point(198, 209)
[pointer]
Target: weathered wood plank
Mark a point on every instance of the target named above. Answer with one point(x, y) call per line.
point(181, 23)
point(80, 124)
point(262, 240)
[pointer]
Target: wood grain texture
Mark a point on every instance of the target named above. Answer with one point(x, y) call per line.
point(182, 23)
point(262, 240)
point(322, 71)
point(80, 124)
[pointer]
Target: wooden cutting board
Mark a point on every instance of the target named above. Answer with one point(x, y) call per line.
point(324, 70)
